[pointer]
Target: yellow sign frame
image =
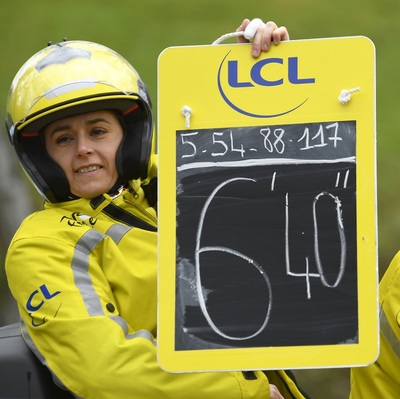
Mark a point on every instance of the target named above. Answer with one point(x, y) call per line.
point(187, 76)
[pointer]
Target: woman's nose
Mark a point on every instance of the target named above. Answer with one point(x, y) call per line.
point(84, 146)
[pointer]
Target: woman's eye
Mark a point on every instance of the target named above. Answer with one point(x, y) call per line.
point(97, 132)
point(63, 139)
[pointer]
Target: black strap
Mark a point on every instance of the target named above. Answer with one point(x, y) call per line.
point(118, 214)
point(150, 191)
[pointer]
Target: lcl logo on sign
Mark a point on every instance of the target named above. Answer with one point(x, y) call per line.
point(258, 77)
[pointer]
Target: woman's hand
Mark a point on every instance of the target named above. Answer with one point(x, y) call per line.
point(261, 35)
point(274, 393)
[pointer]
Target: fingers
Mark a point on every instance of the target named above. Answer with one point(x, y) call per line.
point(274, 393)
point(263, 36)
point(266, 34)
point(242, 28)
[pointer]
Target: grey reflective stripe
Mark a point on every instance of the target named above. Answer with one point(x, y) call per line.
point(83, 280)
point(28, 340)
point(117, 231)
point(80, 268)
point(389, 334)
point(121, 322)
point(80, 265)
point(30, 344)
point(143, 334)
point(138, 334)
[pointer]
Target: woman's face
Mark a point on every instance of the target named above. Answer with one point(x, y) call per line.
point(85, 146)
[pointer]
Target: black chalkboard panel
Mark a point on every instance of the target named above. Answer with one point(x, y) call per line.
point(266, 249)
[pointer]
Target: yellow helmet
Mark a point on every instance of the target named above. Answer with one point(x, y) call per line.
point(70, 78)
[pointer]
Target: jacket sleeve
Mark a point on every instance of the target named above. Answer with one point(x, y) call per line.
point(89, 348)
point(382, 378)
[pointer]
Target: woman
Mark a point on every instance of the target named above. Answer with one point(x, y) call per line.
point(83, 270)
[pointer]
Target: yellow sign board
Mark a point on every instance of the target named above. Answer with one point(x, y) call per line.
point(267, 206)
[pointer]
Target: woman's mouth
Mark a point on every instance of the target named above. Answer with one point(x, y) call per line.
point(88, 169)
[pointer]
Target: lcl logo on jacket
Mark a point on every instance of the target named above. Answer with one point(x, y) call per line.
point(37, 299)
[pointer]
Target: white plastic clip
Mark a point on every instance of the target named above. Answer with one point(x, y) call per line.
point(186, 111)
point(248, 33)
point(251, 28)
point(345, 95)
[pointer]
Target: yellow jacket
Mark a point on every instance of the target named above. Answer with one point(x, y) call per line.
point(382, 379)
point(84, 276)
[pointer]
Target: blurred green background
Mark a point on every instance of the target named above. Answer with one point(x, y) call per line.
point(141, 30)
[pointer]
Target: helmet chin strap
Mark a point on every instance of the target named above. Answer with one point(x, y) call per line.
point(117, 188)
point(113, 193)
